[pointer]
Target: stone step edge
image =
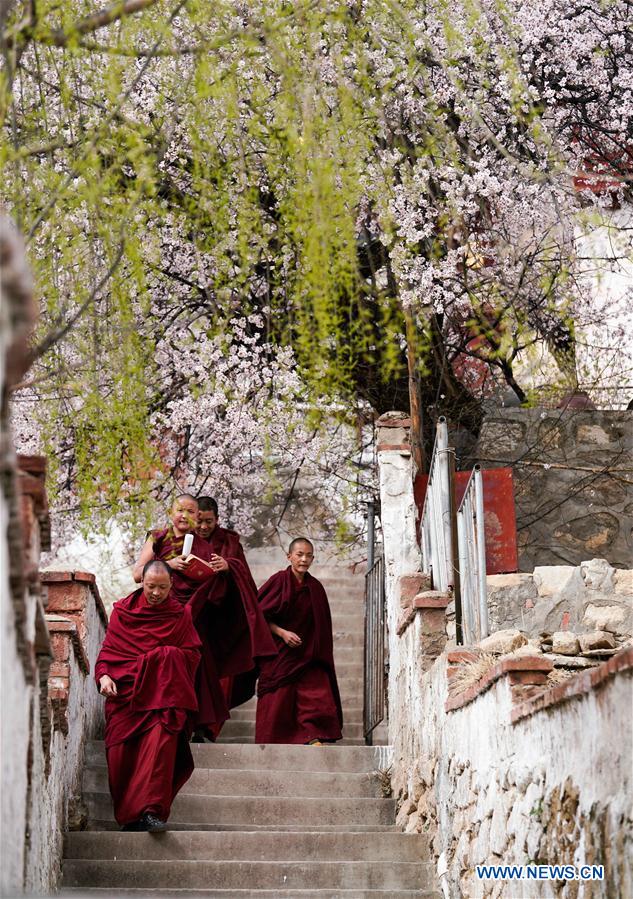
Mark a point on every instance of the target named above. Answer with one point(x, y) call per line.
point(254, 894)
point(110, 826)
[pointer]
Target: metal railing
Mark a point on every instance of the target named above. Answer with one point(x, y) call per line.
point(374, 656)
point(436, 527)
point(472, 560)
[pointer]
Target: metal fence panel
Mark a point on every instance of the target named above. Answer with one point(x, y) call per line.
point(472, 559)
point(435, 529)
point(374, 658)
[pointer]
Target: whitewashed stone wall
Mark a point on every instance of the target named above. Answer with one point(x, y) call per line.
point(401, 552)
point(554, 788)
point(45, 719)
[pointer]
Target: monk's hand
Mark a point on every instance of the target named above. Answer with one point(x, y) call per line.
point(218, 563)
point(107, 687)
point(290, 638)
point(178, 564)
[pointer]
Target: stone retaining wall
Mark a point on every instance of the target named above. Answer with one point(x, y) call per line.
point(516, 772)
point(592, 596)
point(572, 480)
point(528, 762)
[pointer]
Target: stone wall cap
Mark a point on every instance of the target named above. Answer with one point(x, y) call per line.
point(503, 666)
point(431, 599)
point(403, 449)
point(32, 464)
point(576, 686)
point(59, 623)
point(49, 576)
point(393, 415)
point(394, 423)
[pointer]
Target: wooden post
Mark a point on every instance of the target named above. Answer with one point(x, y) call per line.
point(415, 398)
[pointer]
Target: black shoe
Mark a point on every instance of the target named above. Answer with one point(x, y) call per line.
point(201, 736)
point(151, 824)
point(133, 827)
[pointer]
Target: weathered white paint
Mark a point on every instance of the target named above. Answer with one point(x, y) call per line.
point(400, 547)
point(14, 730)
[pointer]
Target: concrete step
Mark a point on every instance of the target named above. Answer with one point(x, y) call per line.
point(269, 756)
point(252, 894)
point(267, 810)
point(330, 875)
point(251, 845)
point(229, 739)
point(290, 784)
point(100, 825)
point(349, 641)
point(351, 731)
point(352, 713)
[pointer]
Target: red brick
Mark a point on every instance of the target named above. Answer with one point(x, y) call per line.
point(564, 622)
point(67, 597)
point(433, 620)
point(431, 599)
point(394, 423)
point(456, 656)
point(527, 677)
point(525, 663)
point(60, 644)
point(84, 576)
point(405, 620)
point(576, 686)
point(58, 694)
point(52, 577)
point(59, 669)
point(410, 585)
point(35, 465)
point(399, 447)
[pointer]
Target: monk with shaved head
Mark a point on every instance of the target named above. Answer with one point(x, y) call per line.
point(298, 698)
point(224, 609)
point(146, 670)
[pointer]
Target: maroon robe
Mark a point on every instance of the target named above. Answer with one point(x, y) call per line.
point(298, 696)
point(228, 619)
point(151, 653)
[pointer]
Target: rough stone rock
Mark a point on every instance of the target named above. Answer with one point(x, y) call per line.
point(503, 641)
point(593, 434)
point(407, 808)
point(565, 643)
point(461, 852)
point(499, 824)
point(414, 824)
point(426, 768)
point(531, 648)
point(596, 640)
point(534, 836)
point(623, 581)
point(509, 595)
point(597, 575)
point(481, 848)
point(561, 661)
point(461, 794)
point(562, 581)
point(606, 618)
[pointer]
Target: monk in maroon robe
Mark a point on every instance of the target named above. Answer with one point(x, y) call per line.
point(298, 699)
point(225, 612)
point(146, 670)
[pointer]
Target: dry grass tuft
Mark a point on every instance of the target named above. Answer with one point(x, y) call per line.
point(383, 776)
point(559, 675)
point(469, 673)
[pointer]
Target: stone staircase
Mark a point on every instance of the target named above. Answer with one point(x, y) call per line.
point(265, 821)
